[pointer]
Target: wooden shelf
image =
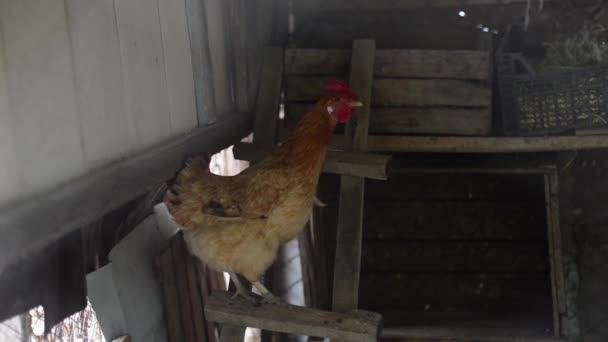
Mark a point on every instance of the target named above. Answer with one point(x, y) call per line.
point(436, 144)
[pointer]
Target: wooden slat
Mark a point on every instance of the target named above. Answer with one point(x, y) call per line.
point(456, 256)
point(461, 291)
point(400, 92)
point(358, 326)
point(450, 64)
point(428, 144)
point(350, 215)
point(304, 7)
point(99, 81)
point(169, 284)
point(449, 121)
point(178, 65)
point(454, 220)
point(201, 62)
point(29, 226)
point(40, 80)
point(183, 291)
point(205, 286)
point(472, 187)
point(144, 70)
point(373, 166)
point(415, 92)
point(9, 183)
point(238, 31)
point(196, 300)
point(215, 16)
point(269, 98)
point(346, 163)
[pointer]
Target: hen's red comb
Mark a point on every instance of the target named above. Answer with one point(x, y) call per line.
point(339, 87)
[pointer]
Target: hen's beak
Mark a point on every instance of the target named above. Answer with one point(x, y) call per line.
point(356, 104)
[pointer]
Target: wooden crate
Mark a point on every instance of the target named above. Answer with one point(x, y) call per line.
point(414, 91)
point(187, 285)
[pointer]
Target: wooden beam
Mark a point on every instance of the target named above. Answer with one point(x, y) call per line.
point(428, 144)
point(365, 165)
point(30, 225)
point(267, 109)
point(416, 120)
point(451, 64)
point(347, 265)
point(359, 326)
point(400, 92)
point(358, 164)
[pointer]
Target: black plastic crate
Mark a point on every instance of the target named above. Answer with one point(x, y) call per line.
point(550, 102)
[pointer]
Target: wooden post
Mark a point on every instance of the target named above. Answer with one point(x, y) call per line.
point(350, 219)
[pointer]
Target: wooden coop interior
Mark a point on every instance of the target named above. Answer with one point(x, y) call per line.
point(442, 222)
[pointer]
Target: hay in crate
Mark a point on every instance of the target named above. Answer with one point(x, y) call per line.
point(561, 101)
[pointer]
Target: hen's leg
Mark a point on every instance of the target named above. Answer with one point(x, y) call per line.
point(242, 291)
point(268, 296)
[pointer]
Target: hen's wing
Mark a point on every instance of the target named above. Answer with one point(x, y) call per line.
point(197, 193)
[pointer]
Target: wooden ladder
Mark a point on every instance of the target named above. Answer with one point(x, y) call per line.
point(353, 164)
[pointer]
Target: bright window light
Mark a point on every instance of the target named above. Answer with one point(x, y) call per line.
point(462, 13)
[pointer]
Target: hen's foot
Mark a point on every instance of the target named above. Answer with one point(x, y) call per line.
point(266, 294)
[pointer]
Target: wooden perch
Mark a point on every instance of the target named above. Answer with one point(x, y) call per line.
point(357, 326)
point(360, 164)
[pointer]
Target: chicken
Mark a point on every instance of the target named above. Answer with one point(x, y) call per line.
point(236, 224)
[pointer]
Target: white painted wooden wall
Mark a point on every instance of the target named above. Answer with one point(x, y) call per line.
point(86, 82)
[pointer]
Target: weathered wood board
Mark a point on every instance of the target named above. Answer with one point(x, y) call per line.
point(399, 92)
point(455, 256)
point(347, 264)
point(354, 326)
point(178, 65)
point(99, 81)
point(416, 120)
point(304, 6)
point(466, 291)
point(446, 64)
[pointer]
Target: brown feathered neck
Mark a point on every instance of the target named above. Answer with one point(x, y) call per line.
point(310, 137)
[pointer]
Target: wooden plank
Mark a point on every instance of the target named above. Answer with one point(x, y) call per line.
point(99, 81)
point(350, 214)
point(473, 187)
point(452, 64)
point(305, 7)
point(29, 226)
point(430, 144)
point(456, 291)
point(169, 283)
point(269, 98)
point(473, 220)
point(347, 163)
point(215, 11)
point(40, 79)
point(205, 287)
point(238, 30)
point(358, 164)
point(400, 92)
point(231, 332)
point(415, 92)
point(558, 300)
point(178, 65)
point(146, 91)
point(201, 62)
point(9, 181)
point(198, 316)
point(184, 300)
point(455, 256)
point(439, 120)
point(355, 326)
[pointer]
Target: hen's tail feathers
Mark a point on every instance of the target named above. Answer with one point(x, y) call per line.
point(178, 203)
